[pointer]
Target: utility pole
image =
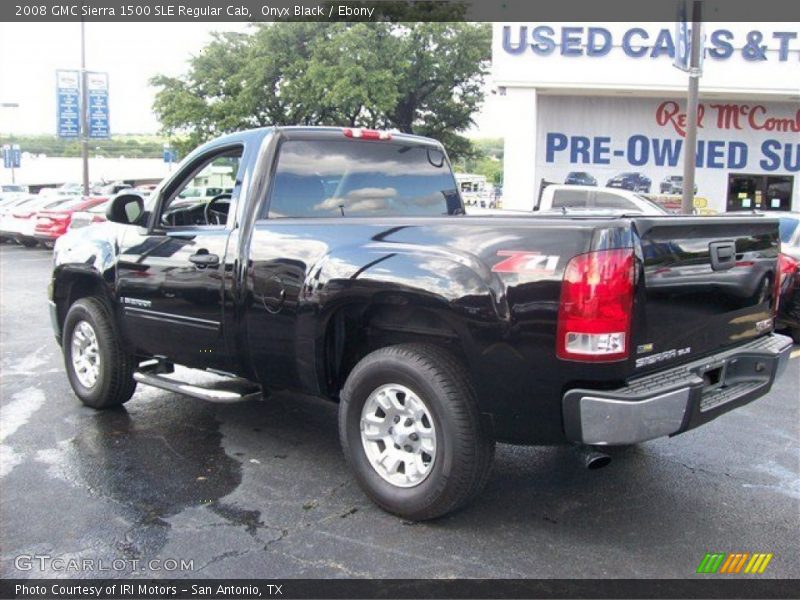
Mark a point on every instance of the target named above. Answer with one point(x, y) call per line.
point(690, 147)
point(84, 113)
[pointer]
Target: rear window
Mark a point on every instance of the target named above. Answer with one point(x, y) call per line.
point(787, 229)
point(570, 198)
point(348, 178)
point(606, 200)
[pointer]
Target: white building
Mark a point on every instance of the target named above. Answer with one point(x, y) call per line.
point(605, 99)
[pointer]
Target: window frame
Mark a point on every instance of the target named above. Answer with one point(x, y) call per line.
point(181, 179)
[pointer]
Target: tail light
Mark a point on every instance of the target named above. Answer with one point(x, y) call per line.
point(366, 134)
point(594, 315)
point(787, 266)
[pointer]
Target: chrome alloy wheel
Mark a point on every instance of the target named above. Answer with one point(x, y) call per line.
point(398, 435)
point(85, 354)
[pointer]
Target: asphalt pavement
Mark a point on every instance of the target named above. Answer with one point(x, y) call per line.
point(261, 489)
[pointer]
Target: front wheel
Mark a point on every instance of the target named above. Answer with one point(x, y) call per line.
point(99, 370)
point(411, 431)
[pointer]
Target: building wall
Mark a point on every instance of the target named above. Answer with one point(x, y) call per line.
point(609, 83)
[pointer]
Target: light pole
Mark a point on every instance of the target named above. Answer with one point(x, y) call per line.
point(84, 113)
point(11, 137)
point(687, 201)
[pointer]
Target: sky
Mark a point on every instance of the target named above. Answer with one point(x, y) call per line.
point(131, 53)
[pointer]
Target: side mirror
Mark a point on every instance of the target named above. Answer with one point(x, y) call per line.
point(125, 208)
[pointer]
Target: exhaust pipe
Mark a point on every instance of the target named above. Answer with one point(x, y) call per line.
point(591, 457)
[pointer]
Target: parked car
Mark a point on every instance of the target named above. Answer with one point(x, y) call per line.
point(573, 198)
point(789, 310)
point(7, 205)
point(19, 223)
point(110, 189)
point(88, 216)
point(10, 191)
point(673, 184)
point(54, 222)
point(635, 182)
point(437, 333)
point(579, 178)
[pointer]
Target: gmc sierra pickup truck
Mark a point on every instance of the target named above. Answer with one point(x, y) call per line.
point(340, 263)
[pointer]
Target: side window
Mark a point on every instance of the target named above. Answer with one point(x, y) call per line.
point(606, 200)
point(204, 197)
point(570, 198)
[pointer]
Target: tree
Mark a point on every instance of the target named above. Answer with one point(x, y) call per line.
point(419, 77)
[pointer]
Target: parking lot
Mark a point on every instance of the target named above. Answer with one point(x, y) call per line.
point(261, 489)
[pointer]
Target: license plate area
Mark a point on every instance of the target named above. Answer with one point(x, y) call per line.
point(713, 376)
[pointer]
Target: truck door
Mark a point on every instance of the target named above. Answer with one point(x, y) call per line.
point(171, 277)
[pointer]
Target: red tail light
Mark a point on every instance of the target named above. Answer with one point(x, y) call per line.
point(367, 134)
point(787, 266)
point(594, 316)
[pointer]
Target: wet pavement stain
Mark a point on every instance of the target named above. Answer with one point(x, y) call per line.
point(156, 459)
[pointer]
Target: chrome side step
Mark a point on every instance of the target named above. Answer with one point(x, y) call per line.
point(223, 391)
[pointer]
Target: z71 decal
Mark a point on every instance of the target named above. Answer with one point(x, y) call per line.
point(526, 262)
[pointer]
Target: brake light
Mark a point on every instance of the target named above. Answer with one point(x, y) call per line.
point(787, 266)
point(594, 315)
point(366, 134)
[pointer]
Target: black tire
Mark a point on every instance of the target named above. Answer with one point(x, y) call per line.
point(115, 384)
point(464, 449)
point(28, 243)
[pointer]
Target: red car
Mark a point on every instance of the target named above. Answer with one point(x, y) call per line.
point(52, 224)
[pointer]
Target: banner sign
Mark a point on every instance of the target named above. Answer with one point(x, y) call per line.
point(97, 97)
point(638, 143)
point(12, 156)
point(68, 104)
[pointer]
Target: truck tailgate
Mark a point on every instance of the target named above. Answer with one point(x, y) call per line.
point(708, 285)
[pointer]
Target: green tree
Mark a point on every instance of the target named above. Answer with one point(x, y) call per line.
point(419, 77)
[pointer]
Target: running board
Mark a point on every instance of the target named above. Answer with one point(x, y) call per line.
point(223, 391)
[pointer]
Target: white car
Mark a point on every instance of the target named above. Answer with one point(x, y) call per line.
point(577, 198)
point(18, 222)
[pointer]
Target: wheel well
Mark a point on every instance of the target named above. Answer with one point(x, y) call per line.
point(71, 288)
point(356, 330)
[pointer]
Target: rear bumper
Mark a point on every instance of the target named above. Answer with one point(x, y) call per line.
point(675, 400)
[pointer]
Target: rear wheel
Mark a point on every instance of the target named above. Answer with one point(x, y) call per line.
point(99, 370)
point(411, 431)
point(28, 242)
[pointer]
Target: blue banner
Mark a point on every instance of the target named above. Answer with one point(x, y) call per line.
point(12, 156)
point(68, 104)
point(97, 97)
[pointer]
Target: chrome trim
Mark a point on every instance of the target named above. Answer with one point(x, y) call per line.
point(614, 422)
point(180, 387)
point(162, 316)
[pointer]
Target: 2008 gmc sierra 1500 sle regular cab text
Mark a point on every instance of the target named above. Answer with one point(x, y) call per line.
point(338, 262)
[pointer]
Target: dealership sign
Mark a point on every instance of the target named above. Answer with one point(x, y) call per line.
point(97, 98)
point(68, 104)
point(637, 42)
point(606, 136)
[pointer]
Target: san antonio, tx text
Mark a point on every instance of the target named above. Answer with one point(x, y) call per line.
point(134, 590)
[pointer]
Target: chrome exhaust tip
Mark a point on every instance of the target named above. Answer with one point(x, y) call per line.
point(592, 458)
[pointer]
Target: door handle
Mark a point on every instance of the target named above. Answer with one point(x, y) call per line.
point(203, 259)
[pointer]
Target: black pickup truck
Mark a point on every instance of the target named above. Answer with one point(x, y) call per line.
point(340, 263)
